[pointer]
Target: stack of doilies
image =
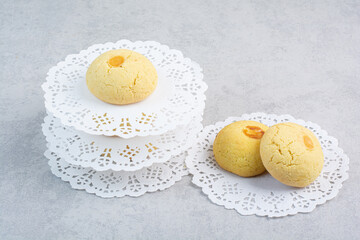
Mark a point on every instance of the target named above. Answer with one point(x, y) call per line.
point(113, 150)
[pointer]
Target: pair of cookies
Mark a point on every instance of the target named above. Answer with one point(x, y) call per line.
point(290, 152)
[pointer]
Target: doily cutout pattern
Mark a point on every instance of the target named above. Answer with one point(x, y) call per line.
point(67, 97)
point(110, 184)
point(264, 195)
point(113, 153)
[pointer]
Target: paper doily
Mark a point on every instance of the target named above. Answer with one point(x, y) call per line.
point(178, 97)
point(264, 195)
point(113, 153)
point(109, 184)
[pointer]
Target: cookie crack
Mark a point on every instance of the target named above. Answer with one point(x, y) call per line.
point(273, 142)
point(136, 78)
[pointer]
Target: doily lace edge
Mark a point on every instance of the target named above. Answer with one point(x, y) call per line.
point(50, 139)
point(177, 178)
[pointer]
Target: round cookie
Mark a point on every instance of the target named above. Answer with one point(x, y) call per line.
point(121, 77)
point(237, 148)
point(292, 154)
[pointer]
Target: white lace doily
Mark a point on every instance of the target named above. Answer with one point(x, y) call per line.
point(109, 184)
point(113, 153)
point(178, 97)
point(263, 195)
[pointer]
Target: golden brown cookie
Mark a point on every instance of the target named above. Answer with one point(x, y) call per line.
point(237, 148)
point(121, 77)
point(292, 154)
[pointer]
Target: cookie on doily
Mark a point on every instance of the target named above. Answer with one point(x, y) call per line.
point(263, 195)
point(178, 97)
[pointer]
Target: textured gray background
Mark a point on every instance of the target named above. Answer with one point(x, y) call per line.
point(284, 57)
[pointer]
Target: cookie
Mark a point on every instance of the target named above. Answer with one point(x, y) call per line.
point(237, 148)
point(121, 77)
point(292, 154)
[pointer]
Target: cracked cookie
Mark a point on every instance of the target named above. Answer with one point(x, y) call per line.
point(237, 148)
point(292, 154)
point(121, 77)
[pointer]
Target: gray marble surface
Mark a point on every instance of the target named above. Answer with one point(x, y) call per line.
point(284, 57)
